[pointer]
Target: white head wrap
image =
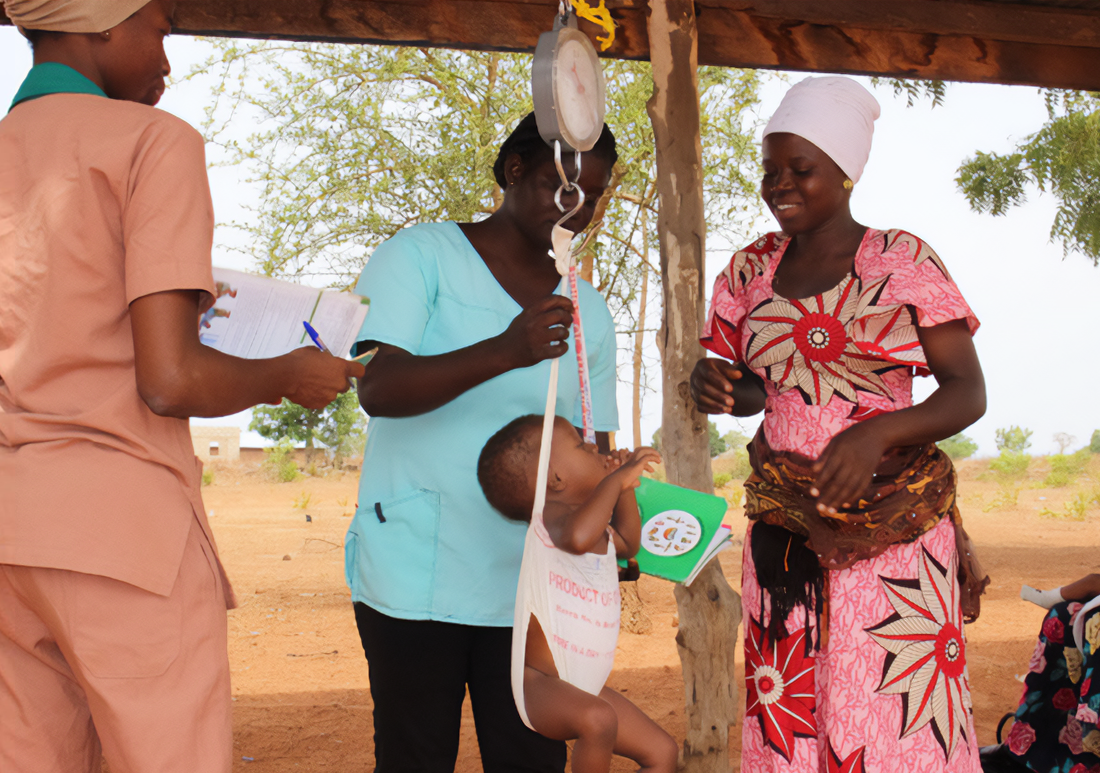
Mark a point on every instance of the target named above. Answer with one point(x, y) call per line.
point(70, 15)
point(834, 113)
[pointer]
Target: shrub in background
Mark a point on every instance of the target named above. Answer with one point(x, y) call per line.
point(1014, 440)
point(718, 443)
point(1010, 466)
point(958, 446)
point(1094, 444)
point(1064, 468)
point(1013, 460)
point(734, 463)
point(279, 461)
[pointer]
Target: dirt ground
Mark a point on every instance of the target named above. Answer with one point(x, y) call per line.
point(300, 686)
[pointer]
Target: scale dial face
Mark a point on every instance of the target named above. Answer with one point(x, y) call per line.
point(568, 89)
point(578, 92)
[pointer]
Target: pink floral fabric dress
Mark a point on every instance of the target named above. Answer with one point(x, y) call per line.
point(888, 690)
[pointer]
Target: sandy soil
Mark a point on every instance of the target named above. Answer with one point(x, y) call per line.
point(300, 686)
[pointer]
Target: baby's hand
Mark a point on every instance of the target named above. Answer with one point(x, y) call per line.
point(633, 464)
point(616, 458)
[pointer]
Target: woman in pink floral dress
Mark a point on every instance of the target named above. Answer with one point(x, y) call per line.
point(853, 609)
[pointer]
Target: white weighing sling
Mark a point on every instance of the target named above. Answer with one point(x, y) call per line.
point(575, 599)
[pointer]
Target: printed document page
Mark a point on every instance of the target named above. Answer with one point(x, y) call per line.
point(258, 317)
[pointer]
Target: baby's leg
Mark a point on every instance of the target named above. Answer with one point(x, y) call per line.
point(640, 738)
point(1084, 589)
point(1042, 598)
point(1088, 587)
point(563, 712)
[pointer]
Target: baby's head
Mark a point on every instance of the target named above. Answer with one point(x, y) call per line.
point(508, 467)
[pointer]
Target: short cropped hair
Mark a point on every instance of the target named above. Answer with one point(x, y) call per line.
point(526, 142)
point(505, 467)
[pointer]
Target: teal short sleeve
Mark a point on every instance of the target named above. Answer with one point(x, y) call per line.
point(401, 282)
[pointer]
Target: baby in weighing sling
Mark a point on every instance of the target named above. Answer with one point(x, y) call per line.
point(567, 604)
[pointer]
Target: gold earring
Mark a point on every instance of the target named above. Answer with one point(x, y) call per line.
point(848, 185)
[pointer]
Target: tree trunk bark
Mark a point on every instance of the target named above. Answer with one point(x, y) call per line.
point(709, 610)
point(639, 335)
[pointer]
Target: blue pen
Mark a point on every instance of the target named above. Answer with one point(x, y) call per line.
point(314, 337)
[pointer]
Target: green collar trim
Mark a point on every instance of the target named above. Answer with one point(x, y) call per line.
point(54, 78)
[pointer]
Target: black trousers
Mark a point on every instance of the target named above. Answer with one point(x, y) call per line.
point(419, 673)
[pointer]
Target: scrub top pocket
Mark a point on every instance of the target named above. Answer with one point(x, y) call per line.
point(389, 554)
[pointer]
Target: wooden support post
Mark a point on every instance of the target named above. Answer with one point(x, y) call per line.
point(709, 610)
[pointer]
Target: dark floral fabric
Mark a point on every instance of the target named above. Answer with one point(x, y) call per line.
point(1055, 730)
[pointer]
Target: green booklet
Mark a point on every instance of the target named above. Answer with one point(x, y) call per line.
point(681, 530)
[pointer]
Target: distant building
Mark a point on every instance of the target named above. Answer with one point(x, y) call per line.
point(214, 444)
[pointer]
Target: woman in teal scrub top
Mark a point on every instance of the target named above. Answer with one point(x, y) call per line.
point(466, 323)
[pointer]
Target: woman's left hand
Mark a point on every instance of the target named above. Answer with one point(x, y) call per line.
point(846, 466)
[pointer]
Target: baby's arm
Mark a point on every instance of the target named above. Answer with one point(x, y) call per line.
point(626, 525)
point(626, 522)
point(1084, 589)
point(579, 530)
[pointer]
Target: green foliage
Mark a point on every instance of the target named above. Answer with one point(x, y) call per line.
point(1006, 499)
point(340, 426)
point(1062, 158)
point(1094, 443)
point(279, 461)
point(734, 495)
point(717, 443)
point(1064, 468)
point(301, 502)
point(207, 476)
point(915, 90)
point(993, 184)
point(721, 479)
point(343, 429)
point(357, 142)
point(1076, 509)
point(1014, 440)
point(735, 440)
point(958, 446)
point(1010, 465)
point(288, 421)
point(735, 464)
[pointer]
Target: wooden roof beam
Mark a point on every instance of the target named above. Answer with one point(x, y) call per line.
point(1037, 43)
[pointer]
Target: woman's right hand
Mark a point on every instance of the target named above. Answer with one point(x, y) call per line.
point(712, 385)
point(318, 378)
point(539, 332)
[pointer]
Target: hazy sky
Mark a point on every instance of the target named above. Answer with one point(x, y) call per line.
point(1038, 310)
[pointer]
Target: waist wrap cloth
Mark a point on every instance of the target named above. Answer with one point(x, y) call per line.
point(913, 488)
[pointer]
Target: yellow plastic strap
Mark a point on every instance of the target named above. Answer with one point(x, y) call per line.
point(600, 16)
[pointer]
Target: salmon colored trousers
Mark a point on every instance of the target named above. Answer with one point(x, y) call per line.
point(91, 667)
